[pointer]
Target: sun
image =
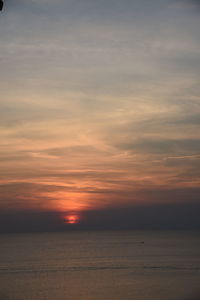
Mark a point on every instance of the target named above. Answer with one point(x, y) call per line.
point(72, 219)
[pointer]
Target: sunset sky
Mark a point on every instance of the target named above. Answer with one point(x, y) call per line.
point(99, 104)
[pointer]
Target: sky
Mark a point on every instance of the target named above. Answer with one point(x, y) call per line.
point(99, 104)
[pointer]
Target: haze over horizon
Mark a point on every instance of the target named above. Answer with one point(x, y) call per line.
point(99, 106)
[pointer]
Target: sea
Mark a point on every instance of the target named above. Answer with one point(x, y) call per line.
point(100, 265)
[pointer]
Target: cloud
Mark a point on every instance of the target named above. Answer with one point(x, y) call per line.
point(194, 2)
point(164, 146)
point(190, 5)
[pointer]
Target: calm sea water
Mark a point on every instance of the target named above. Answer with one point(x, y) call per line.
point(100, 265)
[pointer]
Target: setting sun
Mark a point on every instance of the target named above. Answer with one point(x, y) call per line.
point(72, 219)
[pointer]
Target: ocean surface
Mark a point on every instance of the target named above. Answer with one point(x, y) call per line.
point(100, 265)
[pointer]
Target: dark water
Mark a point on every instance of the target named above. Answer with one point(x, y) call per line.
point(100, 265)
